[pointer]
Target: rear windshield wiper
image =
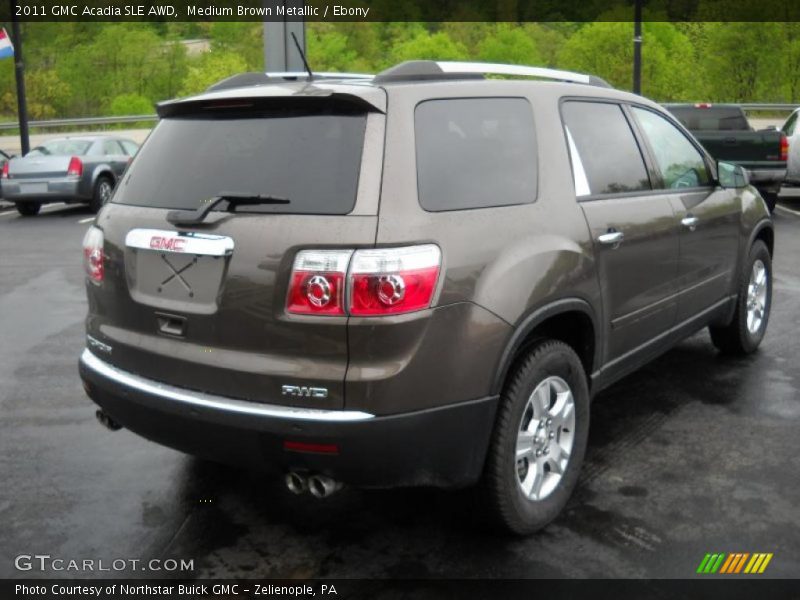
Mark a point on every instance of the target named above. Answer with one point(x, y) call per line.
point(234, 199)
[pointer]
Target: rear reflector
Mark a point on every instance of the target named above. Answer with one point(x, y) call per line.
point(312, 448)
point(784, 147)
point(93, 254)
point(75, 168)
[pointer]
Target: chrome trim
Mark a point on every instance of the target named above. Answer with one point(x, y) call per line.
point(95, 343)
point(612, 237)
point(191, 242)
point(690, 221)
point(210, 401)
point(520, 70)
point(578, 173)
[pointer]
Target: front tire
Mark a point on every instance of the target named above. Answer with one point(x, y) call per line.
point(103, 188)
point(539, 439)
point(29, 209)
point(753, 303)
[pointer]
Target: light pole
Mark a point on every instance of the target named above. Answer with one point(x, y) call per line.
point(19, 70)
point(637, 47)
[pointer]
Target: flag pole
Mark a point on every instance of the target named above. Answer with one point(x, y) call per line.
point(19, 70)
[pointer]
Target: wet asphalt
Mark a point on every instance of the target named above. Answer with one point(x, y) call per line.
point(695, 453)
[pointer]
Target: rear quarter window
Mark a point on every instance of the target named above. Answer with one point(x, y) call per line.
point(475, 153)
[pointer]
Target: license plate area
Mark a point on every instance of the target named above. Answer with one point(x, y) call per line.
point(33, 188)
point(176, 271)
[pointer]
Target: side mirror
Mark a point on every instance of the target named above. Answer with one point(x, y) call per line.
point(731, 176)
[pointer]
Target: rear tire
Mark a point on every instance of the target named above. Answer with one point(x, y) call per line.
point(539, 439)
point(103, 188)
point(753, 302)
point(29, 209)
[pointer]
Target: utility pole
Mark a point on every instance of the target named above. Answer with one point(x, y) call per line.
point(280, 53)
point(637, 47)
point(19, 70)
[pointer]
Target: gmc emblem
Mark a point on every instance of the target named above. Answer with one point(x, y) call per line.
point(302, 391)
point(173, 244)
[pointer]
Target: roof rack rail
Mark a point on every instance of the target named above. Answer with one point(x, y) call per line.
point(255, 78)
point(420, 70)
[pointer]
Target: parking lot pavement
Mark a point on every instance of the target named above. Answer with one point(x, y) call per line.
point(693, 454)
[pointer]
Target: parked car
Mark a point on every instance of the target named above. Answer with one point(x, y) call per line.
point(726, 134)
point(68, 169)
point(4, 158)
point(419, 278)
point(792, 133)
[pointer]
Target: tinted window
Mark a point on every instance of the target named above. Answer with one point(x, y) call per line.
point(62, 147)
point(129, 147)
point(680, 163)
point(712, 118)
point(606, 149)
point(475, 153)
point(312, 159)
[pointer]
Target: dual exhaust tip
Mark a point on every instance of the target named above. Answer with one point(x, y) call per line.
point(319, 486)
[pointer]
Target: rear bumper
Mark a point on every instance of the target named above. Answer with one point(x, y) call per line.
point(51, 190)
point(443, 447)
point(770, 179)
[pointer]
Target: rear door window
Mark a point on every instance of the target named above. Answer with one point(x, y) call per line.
point(311, 156)
point(606, 158)
point(475, 153)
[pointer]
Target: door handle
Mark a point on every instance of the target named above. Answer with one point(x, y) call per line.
point(690, 221)
point(612, 238)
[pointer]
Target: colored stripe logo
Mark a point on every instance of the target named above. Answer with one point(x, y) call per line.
point(734, 563)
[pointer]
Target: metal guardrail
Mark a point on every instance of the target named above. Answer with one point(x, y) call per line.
point(767, 106)
point(52, 123)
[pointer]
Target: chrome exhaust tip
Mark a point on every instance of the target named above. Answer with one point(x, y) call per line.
point(322, 487)
point(106, 421)
point(296, 483)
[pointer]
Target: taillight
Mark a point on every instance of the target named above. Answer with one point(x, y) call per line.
point(93, 254)
point(784, 147)
point(317, 285)
point(5, 170)
point(388, 281)
point(75, 168)
point(374, 282)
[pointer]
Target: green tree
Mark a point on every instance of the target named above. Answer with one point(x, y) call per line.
point(131, 104)
point(209, 69)
point(605, 49)
point(429, 46)
point(505, 43)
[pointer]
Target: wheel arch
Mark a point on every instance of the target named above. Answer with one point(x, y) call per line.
point(765, 232)
point(570, 320)
point(103, 170)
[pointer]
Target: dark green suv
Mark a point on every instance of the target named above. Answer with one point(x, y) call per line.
point(417, 278)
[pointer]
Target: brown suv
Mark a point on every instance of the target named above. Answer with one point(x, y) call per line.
point(417, 278)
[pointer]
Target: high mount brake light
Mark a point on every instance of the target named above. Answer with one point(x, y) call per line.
point(372, 282)
point(93, 254)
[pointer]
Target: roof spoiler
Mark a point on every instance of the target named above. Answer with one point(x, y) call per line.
point(255, 78)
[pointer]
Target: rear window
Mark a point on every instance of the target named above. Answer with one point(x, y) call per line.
point(312, 158)
point(65, 147)
point(475, 153)
point(711, 118)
